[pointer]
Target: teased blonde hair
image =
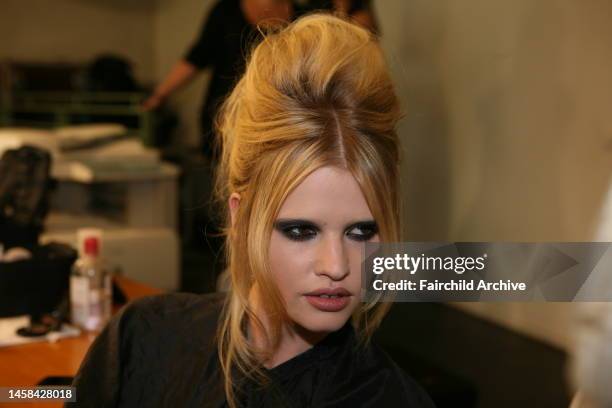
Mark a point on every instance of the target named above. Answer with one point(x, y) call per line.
point(315, 94)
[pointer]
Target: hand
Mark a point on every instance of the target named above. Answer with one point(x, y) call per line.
point(152, 102)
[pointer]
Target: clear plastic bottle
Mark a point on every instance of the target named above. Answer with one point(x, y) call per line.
point(90, 284)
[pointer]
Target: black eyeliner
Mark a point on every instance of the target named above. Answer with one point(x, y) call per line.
point(370, 227)
point(285, 226)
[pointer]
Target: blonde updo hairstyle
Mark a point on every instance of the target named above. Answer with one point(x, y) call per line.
point(316, 93)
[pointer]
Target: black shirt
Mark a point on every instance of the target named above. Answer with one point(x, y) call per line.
point(223, 43)
point(160, 351)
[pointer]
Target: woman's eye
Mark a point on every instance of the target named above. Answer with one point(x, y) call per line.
point(363, 232)
point(299, 233)
point(303, 232)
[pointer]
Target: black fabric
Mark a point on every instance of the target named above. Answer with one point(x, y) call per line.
point(37, 285)
point(25, 188)
point(222, 45)
point(160, 351)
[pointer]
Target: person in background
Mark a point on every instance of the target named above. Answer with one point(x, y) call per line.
point(221, 45)
point(223, 42)
point(359, 11)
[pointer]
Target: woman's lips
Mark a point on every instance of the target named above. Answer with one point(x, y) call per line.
point(329, 300)
point(329, 304)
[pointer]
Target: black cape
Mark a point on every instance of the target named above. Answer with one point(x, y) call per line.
point(160, 351)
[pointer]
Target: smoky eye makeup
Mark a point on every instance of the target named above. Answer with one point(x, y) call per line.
point(303, 230)
point(296, 230)
point(362, 231)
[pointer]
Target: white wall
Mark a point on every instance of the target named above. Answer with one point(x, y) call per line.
point(508, 127)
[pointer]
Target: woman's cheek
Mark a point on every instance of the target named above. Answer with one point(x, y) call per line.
point(289, 262)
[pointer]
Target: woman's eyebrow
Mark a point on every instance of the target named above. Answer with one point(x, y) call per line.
point(284, 222)
point(281, 222)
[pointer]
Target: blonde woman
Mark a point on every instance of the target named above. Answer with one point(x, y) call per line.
point(308, 174)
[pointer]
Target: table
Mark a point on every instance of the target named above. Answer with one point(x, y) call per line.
point(27, 364)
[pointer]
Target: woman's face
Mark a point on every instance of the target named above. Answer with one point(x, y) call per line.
point(316, 249)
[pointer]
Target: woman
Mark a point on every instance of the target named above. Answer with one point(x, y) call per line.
point(221, 44)
point(309, 172)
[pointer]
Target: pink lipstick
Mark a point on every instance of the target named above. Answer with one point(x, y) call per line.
point(329, 300)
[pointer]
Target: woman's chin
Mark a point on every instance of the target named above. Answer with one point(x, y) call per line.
point(323, 322)
point(310, 318)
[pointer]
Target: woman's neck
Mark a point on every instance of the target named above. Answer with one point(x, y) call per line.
point(293, 341)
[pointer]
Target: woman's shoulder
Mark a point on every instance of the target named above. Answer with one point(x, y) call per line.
point(172, 324)
point(146, 349)
point(175, 309)
point(176, 302)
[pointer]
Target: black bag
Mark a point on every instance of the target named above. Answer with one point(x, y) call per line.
point(37, 285)
point(25, 188)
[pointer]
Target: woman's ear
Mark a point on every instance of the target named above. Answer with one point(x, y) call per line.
point(234, 202)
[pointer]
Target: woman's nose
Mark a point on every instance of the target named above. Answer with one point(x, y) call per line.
point(333, 260)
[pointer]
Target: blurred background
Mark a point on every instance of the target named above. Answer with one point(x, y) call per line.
point(507, 136)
